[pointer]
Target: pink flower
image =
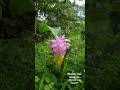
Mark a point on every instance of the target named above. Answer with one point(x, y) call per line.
point(59, 45)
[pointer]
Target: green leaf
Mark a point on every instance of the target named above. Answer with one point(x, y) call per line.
point(64, 85)
point(50, 86)
point(70, 88)
point(74, 32)
point(37, 79)
point(46, 87)
point(53, 78)
point(47, 79)
point(55, 30)
point(43, 27)
point(52, 83)
point(41, 83)
point(36, 87)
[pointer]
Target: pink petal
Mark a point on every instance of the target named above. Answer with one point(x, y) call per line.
point(59, 41)
point(52, 41)
point(67, 47)
point(55, 50)
point(53, 46)
point(63, 36)
point(64, 48)
point(61, 45)
point(62, 51)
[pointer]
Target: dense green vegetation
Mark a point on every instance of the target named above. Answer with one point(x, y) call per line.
point(17, 45)
point(61, 16)
point(18, 21)
point(102, 45)
point(16, 63)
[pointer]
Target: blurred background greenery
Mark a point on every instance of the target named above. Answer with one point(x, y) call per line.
point(17, 51)
point(102, 45)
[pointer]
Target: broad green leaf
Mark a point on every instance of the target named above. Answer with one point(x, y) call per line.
point(50, 86)
point(37, 79)
point(46, 87)
point(53, 78)
point(47, 79)
point(55, 30)
point(43, 27)
point(52, 83)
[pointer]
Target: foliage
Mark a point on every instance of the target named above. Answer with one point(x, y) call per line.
point(16, 17)
point(16, 45)
point(16, 63)
point(59, 17)
point(102, 45)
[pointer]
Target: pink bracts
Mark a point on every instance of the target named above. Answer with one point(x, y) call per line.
point(59, 45)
